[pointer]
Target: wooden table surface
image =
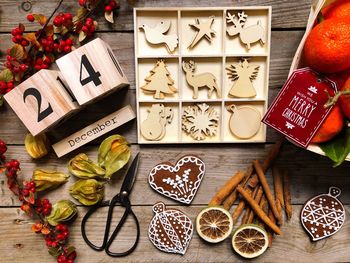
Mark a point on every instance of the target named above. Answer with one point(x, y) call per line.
point(310, 174)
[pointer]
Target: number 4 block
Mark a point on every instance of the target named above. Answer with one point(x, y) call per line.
point(41, 101)
point(92, 71)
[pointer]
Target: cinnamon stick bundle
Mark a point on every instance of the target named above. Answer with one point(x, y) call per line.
point(287, 195)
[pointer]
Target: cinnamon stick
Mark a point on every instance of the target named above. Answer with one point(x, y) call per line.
point(253, 182)
point(248, 209)
point(258, 211)
point(227, 189)
point(269, 233)
point(271, 156)
point(287, 195)
point(257, 199)
point(238, 211)
point(267, 190)
point(278, 186)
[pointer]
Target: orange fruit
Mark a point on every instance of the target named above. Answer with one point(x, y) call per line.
point(345, 100)
point(338, 9)
point(327, 47)
point(333, 125)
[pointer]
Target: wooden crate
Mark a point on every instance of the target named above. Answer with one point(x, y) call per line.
point(212, 57)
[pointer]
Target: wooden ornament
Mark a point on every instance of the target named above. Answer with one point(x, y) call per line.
point(200, 121)
point(245, 121)
point(170, 230)
point(41, 101)
point(197, 81)
point(323, 215)
point(92, 71)
point(157, 35)
point(153, 128)
point(204, 30)
point(180, 181)
point(248, 35)
point(242, 74)
point(159, 82)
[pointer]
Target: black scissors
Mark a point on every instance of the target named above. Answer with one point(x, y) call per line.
point(121, 198)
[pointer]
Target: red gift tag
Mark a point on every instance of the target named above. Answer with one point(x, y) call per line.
point(298, 111)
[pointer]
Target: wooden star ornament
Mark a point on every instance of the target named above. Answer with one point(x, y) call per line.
point(204, 30)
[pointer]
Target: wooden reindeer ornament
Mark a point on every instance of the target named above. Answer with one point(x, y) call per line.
point(204, 30)
point(243, 74)
point(153, 128)
point(157, 35)
point(248, 35)
point(197, 81)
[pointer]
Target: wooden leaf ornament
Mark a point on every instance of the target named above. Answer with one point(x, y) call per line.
point(245, 121)
point(197, 81)
point(170, 230)
point(247, 34)
point(180, 181)
point(157, 35)
point(242, 74)
point(159, 82)
point(203, 31)
point(323, 215)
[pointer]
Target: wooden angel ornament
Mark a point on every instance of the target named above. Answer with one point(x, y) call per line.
point(159, 82)
point(157, 35)
point(248, 35)
point(242, 74)
point(197, 81)
point(204, 30)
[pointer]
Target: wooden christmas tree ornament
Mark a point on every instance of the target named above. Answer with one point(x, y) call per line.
point(159, 82)
point(248, 35)
point(92, 71)
point(157, 35)
point(242, 74)
point(245, 121)
point(197, 81)
point(203, 31)
point(153, 128)
point(41, 101)
point(170, 230)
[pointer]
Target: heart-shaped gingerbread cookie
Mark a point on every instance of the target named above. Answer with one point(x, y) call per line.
point(180, 181)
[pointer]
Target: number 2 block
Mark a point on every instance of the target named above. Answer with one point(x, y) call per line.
point(92, 71)
point(41, 101)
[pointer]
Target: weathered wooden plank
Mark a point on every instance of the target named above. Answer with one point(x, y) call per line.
point(12, 13)
point(310, 174)
point(293, 246)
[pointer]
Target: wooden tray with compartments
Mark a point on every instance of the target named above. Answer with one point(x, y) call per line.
point(217, 50)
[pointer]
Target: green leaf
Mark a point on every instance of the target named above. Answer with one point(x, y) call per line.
point(6, 75)
point(339, 148)
point(17, 52)
point(54, 251)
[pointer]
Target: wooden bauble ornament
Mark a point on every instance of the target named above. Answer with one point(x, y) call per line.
point(157, 35)
point(170, 230)
point(204, 31)
point(323, 215)
point(245, 121)
point(180, 181)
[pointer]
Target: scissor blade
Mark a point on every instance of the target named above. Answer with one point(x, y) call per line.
point(130, 175)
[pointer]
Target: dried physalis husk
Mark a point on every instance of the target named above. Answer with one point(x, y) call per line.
point(46, 179)
point(87, 192)
point(63, 210)
point(37, 146)
point(82, 167)
point(113, 154)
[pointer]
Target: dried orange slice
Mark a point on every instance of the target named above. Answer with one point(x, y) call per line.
point(250, 241)
point(214, 224)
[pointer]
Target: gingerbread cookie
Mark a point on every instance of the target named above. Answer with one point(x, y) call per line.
point(170, 230)
point(323, 215)
point(180, 181)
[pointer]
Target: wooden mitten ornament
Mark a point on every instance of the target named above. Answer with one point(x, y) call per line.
point(204, 31)
point(242, 74)
point(157, 35)
point(245, 121)
point(197, 81)
point(159, 82)
point(248, 35)
point(180, 181)
point(153, 128)
point(92, 71)
point(323, 215)
point(41, 101)
point(170, 230)
point(200, 121)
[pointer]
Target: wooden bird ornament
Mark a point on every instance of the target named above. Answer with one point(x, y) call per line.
point(204, 30)
point(157, 35)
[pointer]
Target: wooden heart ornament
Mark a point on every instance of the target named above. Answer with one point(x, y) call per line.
point(180, 181)
point(323, 215)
